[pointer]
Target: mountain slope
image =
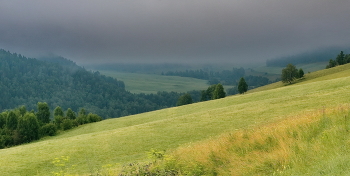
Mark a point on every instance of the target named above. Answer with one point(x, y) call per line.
point(27, 81)
point(128, 139)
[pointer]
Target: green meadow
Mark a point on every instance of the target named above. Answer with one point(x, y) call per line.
point(115, 142)
point(152, 83)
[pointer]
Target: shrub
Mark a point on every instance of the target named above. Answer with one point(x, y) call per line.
point(49, 129)
point(93, 118)
point(184, 100)
point(58, 120)
point(67, 124)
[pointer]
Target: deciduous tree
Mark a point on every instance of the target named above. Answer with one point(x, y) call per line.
point(289, 74)
point(28, 128)
point(43, 113)
point(219, 92)
point(11, 121)
point(71, 114)
point(58, 112)
point(184, 100)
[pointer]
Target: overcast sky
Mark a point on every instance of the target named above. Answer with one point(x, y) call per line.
point(142, 31)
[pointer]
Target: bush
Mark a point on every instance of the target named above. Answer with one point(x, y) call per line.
point(58, 120)
point(81, 120)
point(49, 129)
point(67, 124)
point(71, 114)
point(184, 100)
point(93, 118)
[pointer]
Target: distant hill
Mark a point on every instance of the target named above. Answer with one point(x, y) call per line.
point(319, 55)
point(60, 60)
point(60, 82)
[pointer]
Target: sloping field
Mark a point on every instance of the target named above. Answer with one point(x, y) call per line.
point(128, 139)
point(321, 75)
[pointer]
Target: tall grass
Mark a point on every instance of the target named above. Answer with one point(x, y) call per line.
point(312, 143)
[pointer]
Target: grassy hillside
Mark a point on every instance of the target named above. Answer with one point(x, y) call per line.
point(321, 75)
point(152, 83)
point(313, 143)
point(128, 139)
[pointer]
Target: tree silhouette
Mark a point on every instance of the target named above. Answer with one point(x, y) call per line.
point(289, 74)
point(242, 86)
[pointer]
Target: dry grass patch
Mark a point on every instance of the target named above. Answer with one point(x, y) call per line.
point(290, 146)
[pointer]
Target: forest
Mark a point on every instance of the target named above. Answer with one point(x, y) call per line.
point(60, 82)
point(26, 81)
point(224, 77)
point(18, 126)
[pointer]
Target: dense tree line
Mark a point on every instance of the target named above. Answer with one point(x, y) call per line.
point(225, 77)
point(341, 59)
point(215, 91)
point(20, 126)
point(25, 81)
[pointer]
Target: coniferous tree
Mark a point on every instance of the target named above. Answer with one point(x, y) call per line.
point(347, 58)
point(242, 86)
point(340, 58)
point(300, 73)
point(332, 63)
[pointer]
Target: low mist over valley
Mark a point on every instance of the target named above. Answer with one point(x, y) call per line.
point(174, 87)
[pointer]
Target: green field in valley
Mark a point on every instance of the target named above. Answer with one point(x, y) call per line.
point(152, 83)
point(95, 146)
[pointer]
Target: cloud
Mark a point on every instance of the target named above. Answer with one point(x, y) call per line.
point(172, 31)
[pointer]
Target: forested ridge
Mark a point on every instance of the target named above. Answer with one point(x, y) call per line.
point(26, 81)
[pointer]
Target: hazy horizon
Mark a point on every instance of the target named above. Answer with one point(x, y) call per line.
point(152, 31)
